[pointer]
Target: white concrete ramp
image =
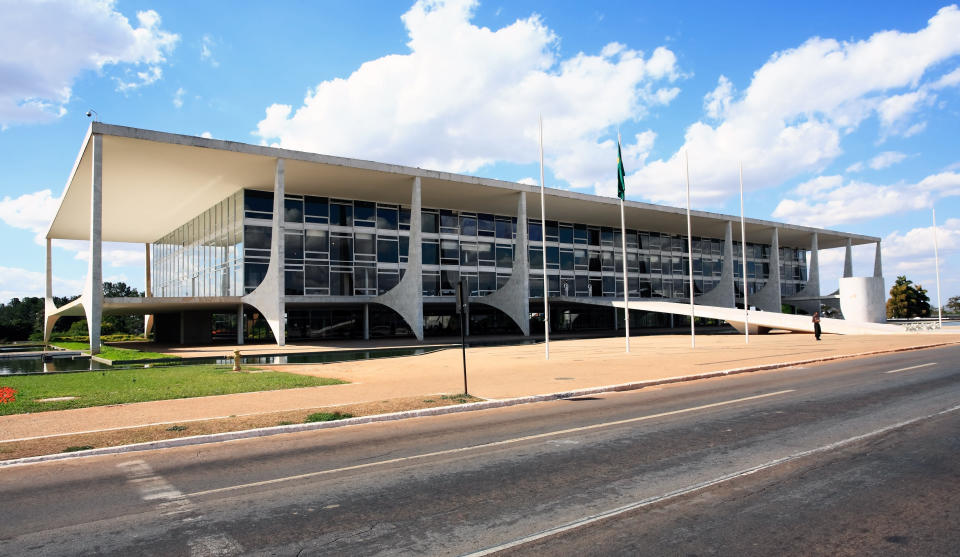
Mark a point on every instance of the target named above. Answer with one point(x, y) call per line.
point(757, 319)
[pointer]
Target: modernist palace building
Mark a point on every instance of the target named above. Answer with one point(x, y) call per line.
point(247, 242)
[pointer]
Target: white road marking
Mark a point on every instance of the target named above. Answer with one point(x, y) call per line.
point(153, 487)
point(485, 445)
point(699, 486)
point(911, 367)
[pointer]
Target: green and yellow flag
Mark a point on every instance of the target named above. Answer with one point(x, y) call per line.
point(621, 186)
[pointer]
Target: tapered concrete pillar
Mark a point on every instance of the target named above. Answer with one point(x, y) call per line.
point(147, 291)
point(812, 288)
point(877, 264)
point(406, 298)
point(49, 306)
point(723, 294)
point(268, 297)
point(768, 298)
point(93, 289)
point(848, 259)
point(513, 298)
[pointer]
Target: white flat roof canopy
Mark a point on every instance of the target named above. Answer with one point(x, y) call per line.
point(153, 182)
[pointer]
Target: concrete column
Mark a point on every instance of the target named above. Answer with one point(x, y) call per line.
point(268, 297)
point(724, 293)
point(406, 298)
point(93, 291)
point(813, 273)
point(49, 283)
point(812, 288)
point(877, 264)
point(147, 291)
point(366, 321)
point(49, 307)
point(768, 298)
point(513, 298)
point(848, 259)
point(616, 320)
point(241, 324)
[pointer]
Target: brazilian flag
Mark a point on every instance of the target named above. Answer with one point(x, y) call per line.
point(621, 186)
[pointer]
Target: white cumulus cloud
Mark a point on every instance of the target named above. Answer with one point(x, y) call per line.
point(828, 201)
point(45, 46)
point(21, 283)
point(793, 116)
point(466, 96)
point(886, 159)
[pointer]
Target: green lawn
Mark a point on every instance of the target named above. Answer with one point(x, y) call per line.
point(99, 388)
point(115, 354)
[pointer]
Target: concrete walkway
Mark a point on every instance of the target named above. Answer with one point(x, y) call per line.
point(493, 373)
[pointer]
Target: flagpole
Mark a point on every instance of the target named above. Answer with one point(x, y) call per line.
point(743, 244)
point(543, 242)
point(693, 335)
point(936, 256)
point(623, 238)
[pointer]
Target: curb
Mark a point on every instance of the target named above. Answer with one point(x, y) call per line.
point(438, 411)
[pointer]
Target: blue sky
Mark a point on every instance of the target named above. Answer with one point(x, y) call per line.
point(845, 115)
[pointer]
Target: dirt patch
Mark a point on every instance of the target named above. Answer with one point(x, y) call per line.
point(173, 430)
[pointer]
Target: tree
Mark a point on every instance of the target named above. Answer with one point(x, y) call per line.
point(953, 305)
point(129, 324)
point(907, 301)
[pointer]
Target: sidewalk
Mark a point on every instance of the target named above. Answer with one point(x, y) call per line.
point(493, 373)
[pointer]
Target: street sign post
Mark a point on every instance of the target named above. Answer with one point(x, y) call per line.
point(463, 298)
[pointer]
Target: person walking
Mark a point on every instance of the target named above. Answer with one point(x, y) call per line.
point(816, 324)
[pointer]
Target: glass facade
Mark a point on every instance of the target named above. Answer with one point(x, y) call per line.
point(345, 247)
point(204, 256)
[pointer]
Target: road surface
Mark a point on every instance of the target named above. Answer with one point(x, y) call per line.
point(853, 457)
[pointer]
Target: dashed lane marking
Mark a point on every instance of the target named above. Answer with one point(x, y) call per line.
point(486, 445)
point(911, 367)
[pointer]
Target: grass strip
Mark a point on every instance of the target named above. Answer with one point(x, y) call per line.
point(100, 388)
point(327, 417)
point(115, 354)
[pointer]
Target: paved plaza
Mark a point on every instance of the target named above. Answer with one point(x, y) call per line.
point(494, 372)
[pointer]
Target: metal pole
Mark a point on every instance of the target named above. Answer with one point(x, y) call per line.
point(543, 243)
point(462, 301)
point(693, 335)
point(463, 349)
point(626, 279)
point(743, 246)
point(936, 256)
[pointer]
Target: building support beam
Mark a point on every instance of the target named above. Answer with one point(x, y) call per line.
point(812, 288)
point(366, 321)
point(268, 297)
point(877, 264)
point(147, 292)
point(406, 298)
point(768, 298)
point(723, 294)
point(241, 324)
point(513, 298)
point(50, 316)
point(848, 259)
point(93, 289)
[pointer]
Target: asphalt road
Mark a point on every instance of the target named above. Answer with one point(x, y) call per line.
point(855, 457)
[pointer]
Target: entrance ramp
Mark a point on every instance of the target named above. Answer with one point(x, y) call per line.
point(759, 321)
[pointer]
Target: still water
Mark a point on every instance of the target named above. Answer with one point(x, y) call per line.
point(35, 364)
